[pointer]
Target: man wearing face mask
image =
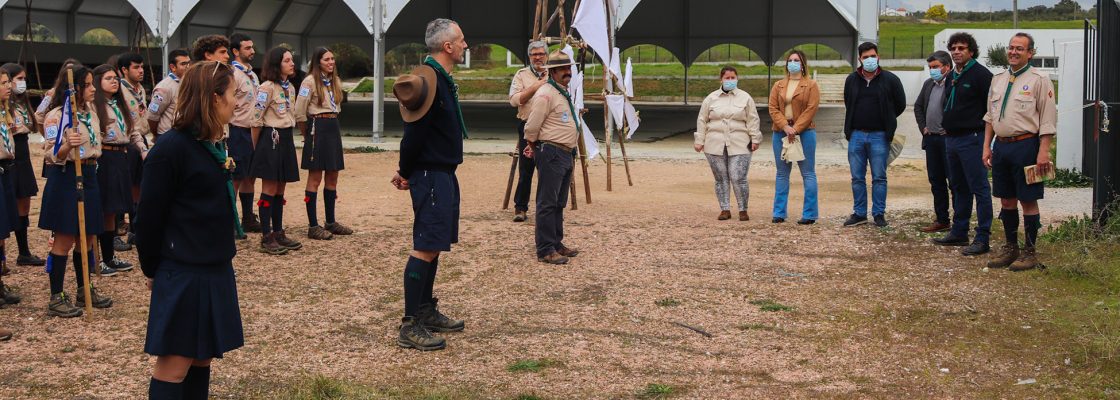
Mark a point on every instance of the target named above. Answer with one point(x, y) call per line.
point(928, 112)
point(552, 132)
point(873, 100)
point(963, 120)
point(525, 84)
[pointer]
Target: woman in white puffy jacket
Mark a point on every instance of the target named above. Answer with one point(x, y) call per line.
point(727, 132)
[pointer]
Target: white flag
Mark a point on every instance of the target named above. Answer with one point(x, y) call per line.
point(616, 103)
point(589, 142)
point(628, 79)
point(591, 22)
point(631, 119)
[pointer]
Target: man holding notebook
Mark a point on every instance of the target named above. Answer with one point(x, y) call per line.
point(1021, 117)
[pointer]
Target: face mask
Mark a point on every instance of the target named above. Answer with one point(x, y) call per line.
point(793, 67)
point(730, 85)
point(871, 64)
point(936, 74)
point(21, 86)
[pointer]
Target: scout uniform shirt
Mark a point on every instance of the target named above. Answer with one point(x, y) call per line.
point(7, 139)
point(1028, 106)
point(308, 101)
point(245, 92)
point(137, 105)
point(163, 107)
point(88, 127)
point(21, 118)
point(550, 119)
point(523, 79)
point(41, 111)
point(274, 106)
point(116, 132)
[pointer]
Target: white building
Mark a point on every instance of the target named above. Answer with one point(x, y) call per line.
point(1046, 43)
point(891, 12)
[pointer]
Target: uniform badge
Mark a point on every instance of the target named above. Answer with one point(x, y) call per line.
point(304, 91)
point(156, 100)
point(262, 98)
point(112, 135)
point(52, 132)
point(280, 108)
point(564, 117)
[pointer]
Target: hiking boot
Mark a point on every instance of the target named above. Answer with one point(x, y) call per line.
point(777, 220)
point(250, 223)
point(1027, 260)
point(338, 229)
point(724, 215)
point(286, 242)
point(743, 216)
point(567, 252)
point(936, 227)
point(806, 221)
point(880, 221)
point(61, 307)
point(270, 246)
point(30, 260)
point(318, 233)
point(950, 240)
point(96, 298)
point(5, 334)
point(7, 295)
point(520, 216)
point(120, 245)
point(1004, 257)
point(104, 270)
point(414, 335)
point(120, 265)
point(553, 258)
point(854, 220)
point(975, 249)
point(435, 321)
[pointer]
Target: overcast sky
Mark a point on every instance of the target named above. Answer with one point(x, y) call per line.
point(978, 5)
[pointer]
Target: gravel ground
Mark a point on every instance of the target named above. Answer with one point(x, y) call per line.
point(870, 314)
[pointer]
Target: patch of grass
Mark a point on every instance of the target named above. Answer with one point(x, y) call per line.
point(770, 305)
point(321, 387)
point(1067, 178)
point(530, 365)
point(366, 149)
point(668, 302)
point(657, 391)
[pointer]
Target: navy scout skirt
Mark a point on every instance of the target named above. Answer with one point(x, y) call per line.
point(23, 176)
point(194, 311)
point(323, 152)
point(274, 158)
point(114, 178)
point(59, 211)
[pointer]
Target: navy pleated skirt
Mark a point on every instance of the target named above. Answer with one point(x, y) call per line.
point(59, 211)
point(114, 178)
point(24, 174)
point(194, 311)
point(9, 214)
point(135, 164)
point(274, 159)
point(323, 152)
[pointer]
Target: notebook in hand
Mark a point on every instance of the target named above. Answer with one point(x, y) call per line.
point(1033, 176)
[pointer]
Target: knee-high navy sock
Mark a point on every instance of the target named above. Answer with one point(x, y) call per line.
point(106, 241)
point(429, 281)
point(329, 197)
point(415, 275)
point(265, 205)
point(278, 213)
point(1010, 218)
point(56, 268)
point(246, 203)
point(21, 236)
point(196, 386)
point(1033, 223)
point(78, 276)
point(160, 390)
point(309, 199)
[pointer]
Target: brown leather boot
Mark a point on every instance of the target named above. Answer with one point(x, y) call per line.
point(270, 246)
point(1006, 255)
point(567, 252)
point(553, 258)
point(60, 306)
point(1027, 260)
point(724, 215)
point(743, 216)
point(936, 227)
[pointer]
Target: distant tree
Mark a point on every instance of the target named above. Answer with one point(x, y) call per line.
point(99, 36)
point(1067, 8)
point(351, 61)
point(39, 33)
point(937, 13)
point(997, 56)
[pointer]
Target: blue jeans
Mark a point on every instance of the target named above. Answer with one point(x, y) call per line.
point(868, 148)
point(808, 169)
point(968, 178)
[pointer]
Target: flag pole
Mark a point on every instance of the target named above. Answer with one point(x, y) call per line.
point(75, 154)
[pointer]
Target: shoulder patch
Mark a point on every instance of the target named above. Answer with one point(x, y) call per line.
point(52, 132)
point(304, 91)
point(157, 99)
point(262, 99)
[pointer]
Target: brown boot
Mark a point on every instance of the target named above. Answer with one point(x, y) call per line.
point(338, 229)
point(567, 252)
point(269, 245)
point(97, 299)
point(5, 334)
point(1027, 260)
point(520, 216)
point(1006, 255)
point(286, 242)
point(724, 215)
point(435, 321)
point(7, 296)
point(936, 227)
point(250, 223)
point(318, 233)
point(553, 258)
point(60, 306)
point(414, 335)
point(743, 216)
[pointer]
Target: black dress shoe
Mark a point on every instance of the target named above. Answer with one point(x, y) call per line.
point(950, 240)
point(777, 220)
point(804, 221)
point(975, 249)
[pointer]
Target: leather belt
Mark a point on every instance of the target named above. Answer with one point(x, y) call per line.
point(1016, 138)
point(557, 145)
point(325, 115)
point(113, 147)
point(88, 161)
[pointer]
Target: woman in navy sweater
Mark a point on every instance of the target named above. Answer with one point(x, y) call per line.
point(185, 227)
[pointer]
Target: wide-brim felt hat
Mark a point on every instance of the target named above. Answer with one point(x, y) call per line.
point(557, 59)
point(415, 91)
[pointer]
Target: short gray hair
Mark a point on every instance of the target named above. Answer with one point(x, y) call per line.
point(941, 56)
point(1030, 39)
point(536, 44)
point(438, 32)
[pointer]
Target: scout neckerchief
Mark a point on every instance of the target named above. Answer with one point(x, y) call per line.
point(137, 94)
point(218, 151)
point(1010, 84)
point(284, 95)
point(248, 72)
point(24, 118)
point(5, 132)
point(431, 62)
point(173, 77)
point(86, 119)
point(953, 88)
point(327, 84)
point(120, 119)
point(568, 97)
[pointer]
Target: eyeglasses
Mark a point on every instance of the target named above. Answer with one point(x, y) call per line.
point(537, 54)
point(958, 48)
point(216, 65)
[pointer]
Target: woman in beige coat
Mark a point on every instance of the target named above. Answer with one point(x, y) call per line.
point(727, 132)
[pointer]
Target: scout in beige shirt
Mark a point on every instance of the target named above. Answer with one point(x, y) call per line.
point(87, 125)
point(7, 139)
point(273, 108)
point(521, 91)
point(550, 119)
point(136, 101)
point(246, 92)
point(116, 131)
point(317, 107)
point(315, 98)
point(161, 111)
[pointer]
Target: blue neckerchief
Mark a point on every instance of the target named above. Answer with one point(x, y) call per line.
point(327, 84)
point(173, 76)
point(248, 71)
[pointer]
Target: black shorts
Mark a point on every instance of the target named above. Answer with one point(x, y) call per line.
point(241, 150)
point(1008, 179)
point(435, 203)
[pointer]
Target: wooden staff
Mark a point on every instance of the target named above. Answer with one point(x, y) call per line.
point(625, 159)
point(608, 90)
point(75, 153)
point(509, 183)
point(573, 187)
